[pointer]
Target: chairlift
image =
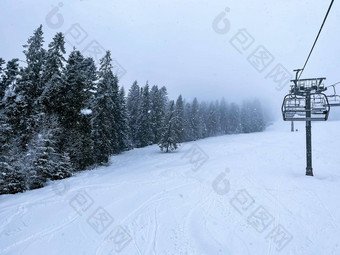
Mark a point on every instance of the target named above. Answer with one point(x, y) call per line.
point(294, 107)
point(316, 103)
point(334, 100)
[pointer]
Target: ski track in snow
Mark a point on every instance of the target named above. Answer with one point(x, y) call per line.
point(167, 208)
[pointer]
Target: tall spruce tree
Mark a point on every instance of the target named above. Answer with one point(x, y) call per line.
point(223, 113)
point(169, 139)
point(63, 168)
point(144, 124)
point(203, 115)
point(252, 117)
point(180, 121)
point(257, 116)
point(158, 98)
point(218, 118)
point(133, 108)
point(10, 74)
point(52, 75)
point(122, 121)
point(11, 103)
point(103, 112)
point(89, 71)
point(118, 118)
point(42, 161)
point(2, 86)
point(71, 91)
point(11, 180)
point(246, 118)
point(234, 125)
point(30, 86)
point(195, 120)
point(188, 130)
point(75, 112)
point(213, 120)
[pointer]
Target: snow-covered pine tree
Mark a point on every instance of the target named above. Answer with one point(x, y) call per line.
point(52, 74)
point(223, 113)
point(11, 180)
point(74, 112)
point(234, 125)
point(211, 120)
point(117, 118)
point(38, 164)
point(195, 120)
point(35, 56)
point(153, 99)
point(144, 127)
point(122, 121)
point(218, 118)
point(5, 134)
point(11, 73)
point(133, 107)
point(252, 117)
point(103, 112)
point(203, 115)
point(246, 117)
point(2, 62)
point(156, 129)
point(43, 165)
point(63, 168)
point(158, 98)
point(29, 86)
point(180, 121)
point(188, 131)
point(11, 101)
point(42, 161)
point(169, 140)
point(257, 116)
point(90, 73)
point(2, 86)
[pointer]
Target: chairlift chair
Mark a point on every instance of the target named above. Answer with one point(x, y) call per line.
point(294, 107)
point(334, 99)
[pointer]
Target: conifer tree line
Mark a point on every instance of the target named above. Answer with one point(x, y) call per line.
point(61, 115)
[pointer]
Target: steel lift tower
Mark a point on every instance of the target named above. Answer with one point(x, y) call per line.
point(306, 102)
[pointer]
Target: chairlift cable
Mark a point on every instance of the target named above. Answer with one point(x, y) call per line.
point(317, 37)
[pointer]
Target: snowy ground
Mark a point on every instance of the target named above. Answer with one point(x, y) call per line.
point(237, 194)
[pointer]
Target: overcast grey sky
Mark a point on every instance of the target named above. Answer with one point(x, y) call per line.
point(175, 43)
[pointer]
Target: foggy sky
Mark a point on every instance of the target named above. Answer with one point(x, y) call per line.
point(174, 43)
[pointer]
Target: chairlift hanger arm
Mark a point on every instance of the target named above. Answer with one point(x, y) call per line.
point(296, 76)
point(334, 90)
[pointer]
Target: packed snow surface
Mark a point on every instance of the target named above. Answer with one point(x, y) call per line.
point(233, 194)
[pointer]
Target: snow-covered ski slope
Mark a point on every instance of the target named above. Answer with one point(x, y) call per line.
point(234, 194)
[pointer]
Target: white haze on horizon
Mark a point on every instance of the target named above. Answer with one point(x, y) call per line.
point(173, 43)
